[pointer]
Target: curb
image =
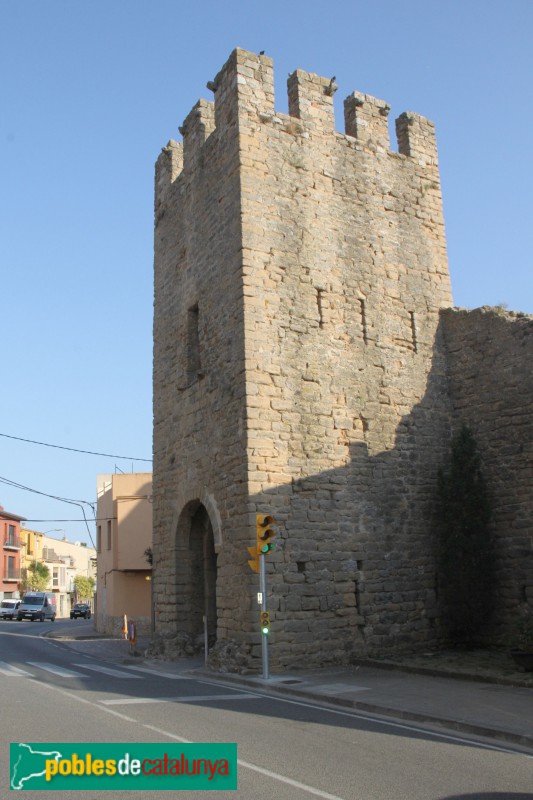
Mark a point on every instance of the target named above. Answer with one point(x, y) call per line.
point(461, 726)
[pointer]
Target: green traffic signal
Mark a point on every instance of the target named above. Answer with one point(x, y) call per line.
point(265, 623)
point(265, 533)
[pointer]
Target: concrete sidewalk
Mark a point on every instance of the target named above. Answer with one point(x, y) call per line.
point(483, 709)
point(469, 706)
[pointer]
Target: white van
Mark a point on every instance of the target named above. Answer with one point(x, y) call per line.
point(8, 609)
point(37, 605)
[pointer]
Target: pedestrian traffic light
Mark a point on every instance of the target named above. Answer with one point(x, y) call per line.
point(265, 533)
point(265, 623)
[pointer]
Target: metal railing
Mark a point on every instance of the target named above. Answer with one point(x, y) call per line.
point(13, 541)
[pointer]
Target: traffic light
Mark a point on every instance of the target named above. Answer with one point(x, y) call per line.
point(265, 533)
point(264, 536)
point(265, 623)
point(253, 562)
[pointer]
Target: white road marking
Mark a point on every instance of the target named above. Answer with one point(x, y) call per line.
point(255, 768)
point(56, 670)
point(13, 672)
point(289, 781)
point(129, 701)
point(116, 673)
point(172, 675)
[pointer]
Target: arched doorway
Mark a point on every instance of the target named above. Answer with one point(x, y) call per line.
point(196, 572)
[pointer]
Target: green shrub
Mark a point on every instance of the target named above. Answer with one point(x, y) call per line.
point(466, 574)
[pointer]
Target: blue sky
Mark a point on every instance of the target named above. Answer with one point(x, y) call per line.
point(91, 91)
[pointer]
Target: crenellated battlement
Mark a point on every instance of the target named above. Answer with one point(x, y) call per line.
point(197, 127)
point(167, 168)
point(244, 96)
point(243, 87)
point(366, 119)
point(416, 138)
point(311, 100)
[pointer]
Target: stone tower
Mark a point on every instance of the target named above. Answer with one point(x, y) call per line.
point(298, 369)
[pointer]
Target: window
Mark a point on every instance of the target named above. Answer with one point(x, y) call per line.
point(362, 311)
point(319, 302)
point(194, 365)
point(109, 534)
point(414, 332)
point(99, 539)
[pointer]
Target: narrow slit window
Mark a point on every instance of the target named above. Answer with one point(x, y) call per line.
point(319, 293)
point(414, 336)
point(362, 308)
point(193, 343)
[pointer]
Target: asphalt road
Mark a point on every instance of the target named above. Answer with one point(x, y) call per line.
point(287, 750)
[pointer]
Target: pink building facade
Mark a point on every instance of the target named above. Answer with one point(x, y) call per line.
point(11, 544)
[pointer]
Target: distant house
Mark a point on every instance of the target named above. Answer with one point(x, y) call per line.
point(124, 534)
point(65, 561)
point(11, 549)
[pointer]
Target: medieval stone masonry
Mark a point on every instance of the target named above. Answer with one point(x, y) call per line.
point(303, 367)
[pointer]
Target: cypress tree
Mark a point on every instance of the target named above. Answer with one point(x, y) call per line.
point(466, 553)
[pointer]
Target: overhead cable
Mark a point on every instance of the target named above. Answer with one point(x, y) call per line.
point(74, 449)
point(78, 503)
point(45, 494)
point(99, 519)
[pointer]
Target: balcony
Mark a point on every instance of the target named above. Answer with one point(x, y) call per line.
point(12, 575)
point(12, 543)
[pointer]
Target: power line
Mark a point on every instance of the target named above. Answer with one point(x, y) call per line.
point(45, 494)
point(74, 449)
point(98, 519)
point(78, 503)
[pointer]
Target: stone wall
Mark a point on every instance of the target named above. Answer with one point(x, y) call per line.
point(345, 272)
point(490, 365)
point(299, 365)
point(199, 382)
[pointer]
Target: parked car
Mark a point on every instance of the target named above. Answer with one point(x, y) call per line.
point(37, 605)
point(81, 610)
point(8, 609)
